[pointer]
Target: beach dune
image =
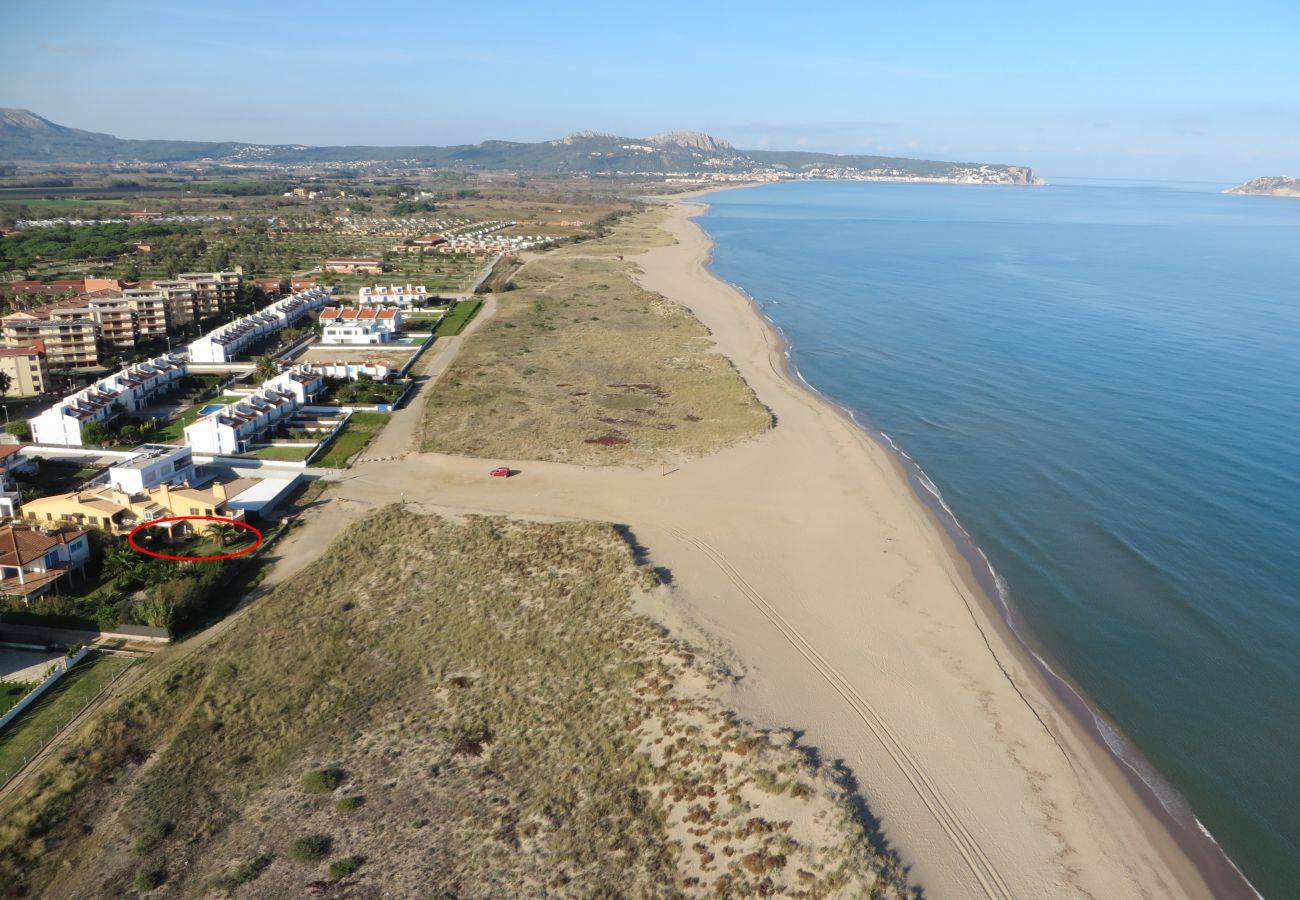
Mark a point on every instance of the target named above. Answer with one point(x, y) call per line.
point(803, 559)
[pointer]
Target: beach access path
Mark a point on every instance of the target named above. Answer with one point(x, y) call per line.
point(804, 561)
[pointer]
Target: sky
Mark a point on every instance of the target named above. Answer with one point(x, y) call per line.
point(1147, 90)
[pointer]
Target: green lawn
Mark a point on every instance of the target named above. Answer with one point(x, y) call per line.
point(175, 429)
point(456, 320)
point(55, 709)
point(11, 692)
point(59, 476)
point(358, 431)
point(289, 454)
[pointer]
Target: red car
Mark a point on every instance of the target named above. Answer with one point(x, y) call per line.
point(501, 472)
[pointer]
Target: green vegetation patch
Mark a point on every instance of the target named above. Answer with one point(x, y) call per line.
point(11, 692)
point(283, 454)
point(342, 868)
point(310, 847)
point(242, 873)
point(455, 321)
point(352, 438)
point(322, 781)
point(48, 716)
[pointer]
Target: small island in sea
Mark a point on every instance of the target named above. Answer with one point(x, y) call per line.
point(1269, 186)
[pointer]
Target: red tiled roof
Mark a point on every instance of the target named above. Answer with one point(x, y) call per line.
point(19, 545)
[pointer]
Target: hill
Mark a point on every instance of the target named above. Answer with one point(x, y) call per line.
point(1269, 186)
point(25, 136)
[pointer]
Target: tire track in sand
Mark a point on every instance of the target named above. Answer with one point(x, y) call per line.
point(981, 867)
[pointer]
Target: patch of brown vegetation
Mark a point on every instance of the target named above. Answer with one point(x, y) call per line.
point(578, 342)
point(475, 721)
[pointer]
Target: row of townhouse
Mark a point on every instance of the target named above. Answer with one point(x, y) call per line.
point(402, 296)
point(107, 312)
point(228, 342)
point(127, 391)
point(236, 427)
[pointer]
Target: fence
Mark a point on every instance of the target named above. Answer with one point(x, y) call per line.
point(8, 775)
point(60, 669)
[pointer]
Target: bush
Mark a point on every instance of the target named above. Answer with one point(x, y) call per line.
point(310, 847)
point(242, 874)
point(347, 804)
point(148, 879)
point(151, 835)
point(19, 428)
point(342, 868)
point(322, 781)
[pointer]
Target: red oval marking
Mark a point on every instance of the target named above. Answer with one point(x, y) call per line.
point(130, 538)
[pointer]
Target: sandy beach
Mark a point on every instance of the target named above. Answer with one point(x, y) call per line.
point(804, 560)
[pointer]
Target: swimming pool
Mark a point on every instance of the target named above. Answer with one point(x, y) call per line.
point(210, 409)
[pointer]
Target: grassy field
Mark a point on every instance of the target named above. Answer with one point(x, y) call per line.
point(361, 427)
point(285, 454)
point(454, 322)
point(11, 692)
point(60, 204)
point(58, 476)
point(581, 365)
point(462, 708)
point(55, 709)
point(174, 430)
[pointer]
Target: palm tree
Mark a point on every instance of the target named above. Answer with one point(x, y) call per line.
point(266, 368)
point(127, 567)
point(219, 532)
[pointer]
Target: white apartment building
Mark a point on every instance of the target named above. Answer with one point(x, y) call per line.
point(228, 342)
point(127, 391)
point(301, 381)
point(237, 426)
point(155, 464)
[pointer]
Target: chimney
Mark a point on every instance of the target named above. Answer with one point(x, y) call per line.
point(219, 491)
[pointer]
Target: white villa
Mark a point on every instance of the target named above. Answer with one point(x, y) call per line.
point(359, 326)
point(397, 295)
point(224, 344)
point(127, 391)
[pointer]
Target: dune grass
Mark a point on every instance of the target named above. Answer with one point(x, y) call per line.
point(486, 686)
point(580, 364)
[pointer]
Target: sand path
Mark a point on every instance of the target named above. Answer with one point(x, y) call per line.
point(804, 560)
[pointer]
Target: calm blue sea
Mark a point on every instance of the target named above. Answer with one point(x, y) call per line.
point(1103, 380)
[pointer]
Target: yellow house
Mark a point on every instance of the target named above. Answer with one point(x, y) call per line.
point(113, 509)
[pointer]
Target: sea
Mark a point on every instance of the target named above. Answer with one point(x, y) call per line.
point(1101, 381)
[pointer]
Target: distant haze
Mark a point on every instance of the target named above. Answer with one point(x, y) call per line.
point(1197, 91)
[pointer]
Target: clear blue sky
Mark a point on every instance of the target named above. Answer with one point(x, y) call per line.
point(1194, 90)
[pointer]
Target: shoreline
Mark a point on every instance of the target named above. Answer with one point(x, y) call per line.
point(1152, 793)
point(802, 560)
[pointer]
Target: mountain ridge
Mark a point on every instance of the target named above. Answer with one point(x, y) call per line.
point(26, 136)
